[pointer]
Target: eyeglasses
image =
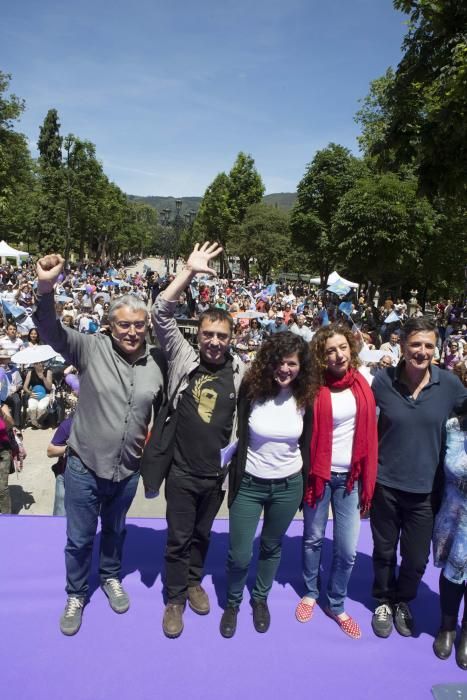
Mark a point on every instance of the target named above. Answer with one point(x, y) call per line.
point(126, 325)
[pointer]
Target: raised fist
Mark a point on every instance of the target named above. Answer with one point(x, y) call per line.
point(48, 269)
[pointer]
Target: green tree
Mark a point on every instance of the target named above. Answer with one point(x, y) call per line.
point(245, 187)
point(84, 187)
point(146, 221)
point(214, 217)
point(16, 169)
point(374, 115)
point(426, 105)
point(386, 231)
point(52, 215)
point(328, 177)
point(263, 236)
point(50, 142)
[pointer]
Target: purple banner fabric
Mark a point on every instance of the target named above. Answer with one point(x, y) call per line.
point(123, 657)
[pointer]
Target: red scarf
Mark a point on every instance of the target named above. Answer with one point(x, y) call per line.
point(365, 442)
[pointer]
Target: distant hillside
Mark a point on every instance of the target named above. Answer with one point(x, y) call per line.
point(283, 200)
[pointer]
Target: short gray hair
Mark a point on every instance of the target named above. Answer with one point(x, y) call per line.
point(130, 301)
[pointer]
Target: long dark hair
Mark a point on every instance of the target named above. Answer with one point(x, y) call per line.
point(259, 381)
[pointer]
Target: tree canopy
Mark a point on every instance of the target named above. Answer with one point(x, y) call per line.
point(331, 173)
point(423, 104)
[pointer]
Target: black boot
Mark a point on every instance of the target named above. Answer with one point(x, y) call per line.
point(461, 651)
point(229, 622)
point(444, 640)
point(261, 615)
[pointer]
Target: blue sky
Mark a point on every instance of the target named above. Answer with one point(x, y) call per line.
point(170, 91)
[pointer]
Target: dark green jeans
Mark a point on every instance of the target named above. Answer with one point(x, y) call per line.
point(280, 501)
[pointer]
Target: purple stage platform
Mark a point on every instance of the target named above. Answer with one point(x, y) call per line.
point(123, 657)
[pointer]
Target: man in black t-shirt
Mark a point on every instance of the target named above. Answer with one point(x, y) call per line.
point(207, 385)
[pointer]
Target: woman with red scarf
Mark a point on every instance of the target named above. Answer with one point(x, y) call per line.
point(342, 474)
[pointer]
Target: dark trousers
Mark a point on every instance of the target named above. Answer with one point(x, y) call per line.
point(450, 598)
point(14, 403)
point(408, 517)
point(280, 502)
point(192, 504)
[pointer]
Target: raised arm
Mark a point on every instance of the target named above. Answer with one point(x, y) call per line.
point(197, 263)
point(171, 340)
point(67, 342)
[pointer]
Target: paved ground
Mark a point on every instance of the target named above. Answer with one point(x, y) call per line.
point(32, 491)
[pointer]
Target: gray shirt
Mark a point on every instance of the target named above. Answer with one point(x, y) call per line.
point(116, 397)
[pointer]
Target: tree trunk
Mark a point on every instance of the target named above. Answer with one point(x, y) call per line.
point(68, 231)
point(245, 265)
point(81, 245)
point(424, 295)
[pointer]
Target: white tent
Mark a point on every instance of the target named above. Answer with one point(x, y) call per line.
point(332, 279)
point(6, 251)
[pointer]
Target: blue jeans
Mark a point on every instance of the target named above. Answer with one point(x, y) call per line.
point(346, 514)
point(86, 497)
point(59, 500)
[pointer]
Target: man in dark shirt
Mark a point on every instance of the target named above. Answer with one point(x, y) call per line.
point(415, 399)
point(207, 385)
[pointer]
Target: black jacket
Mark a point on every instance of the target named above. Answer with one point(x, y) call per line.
point(238, 463)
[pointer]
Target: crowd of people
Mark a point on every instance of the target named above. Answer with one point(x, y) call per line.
point(290, 397)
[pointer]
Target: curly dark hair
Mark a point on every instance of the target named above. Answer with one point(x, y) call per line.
point(259, 380)
point(318, 351)
point(460, 369)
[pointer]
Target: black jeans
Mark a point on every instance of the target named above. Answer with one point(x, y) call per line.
point(406, 516)
point(192, 504)
point(450, 598)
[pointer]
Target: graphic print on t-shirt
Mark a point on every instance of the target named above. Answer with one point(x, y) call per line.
point(205, 397)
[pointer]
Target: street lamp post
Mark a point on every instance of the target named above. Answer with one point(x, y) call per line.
point(173, 231)
point(178, 226)
point(165, 221)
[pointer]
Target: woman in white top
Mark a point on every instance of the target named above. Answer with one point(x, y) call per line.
point(267, 472)
point(343, 461)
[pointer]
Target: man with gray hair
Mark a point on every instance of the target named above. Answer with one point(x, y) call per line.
point(121, 384)
point(300, 328)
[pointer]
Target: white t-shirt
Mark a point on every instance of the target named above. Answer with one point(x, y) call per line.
point(275, 427)
point(344, 412)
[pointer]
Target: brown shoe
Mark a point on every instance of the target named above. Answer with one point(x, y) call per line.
point(172, 623)
point(198, 600)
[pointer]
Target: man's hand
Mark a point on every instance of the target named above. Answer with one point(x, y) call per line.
point(48, 269)
point(198, 262)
